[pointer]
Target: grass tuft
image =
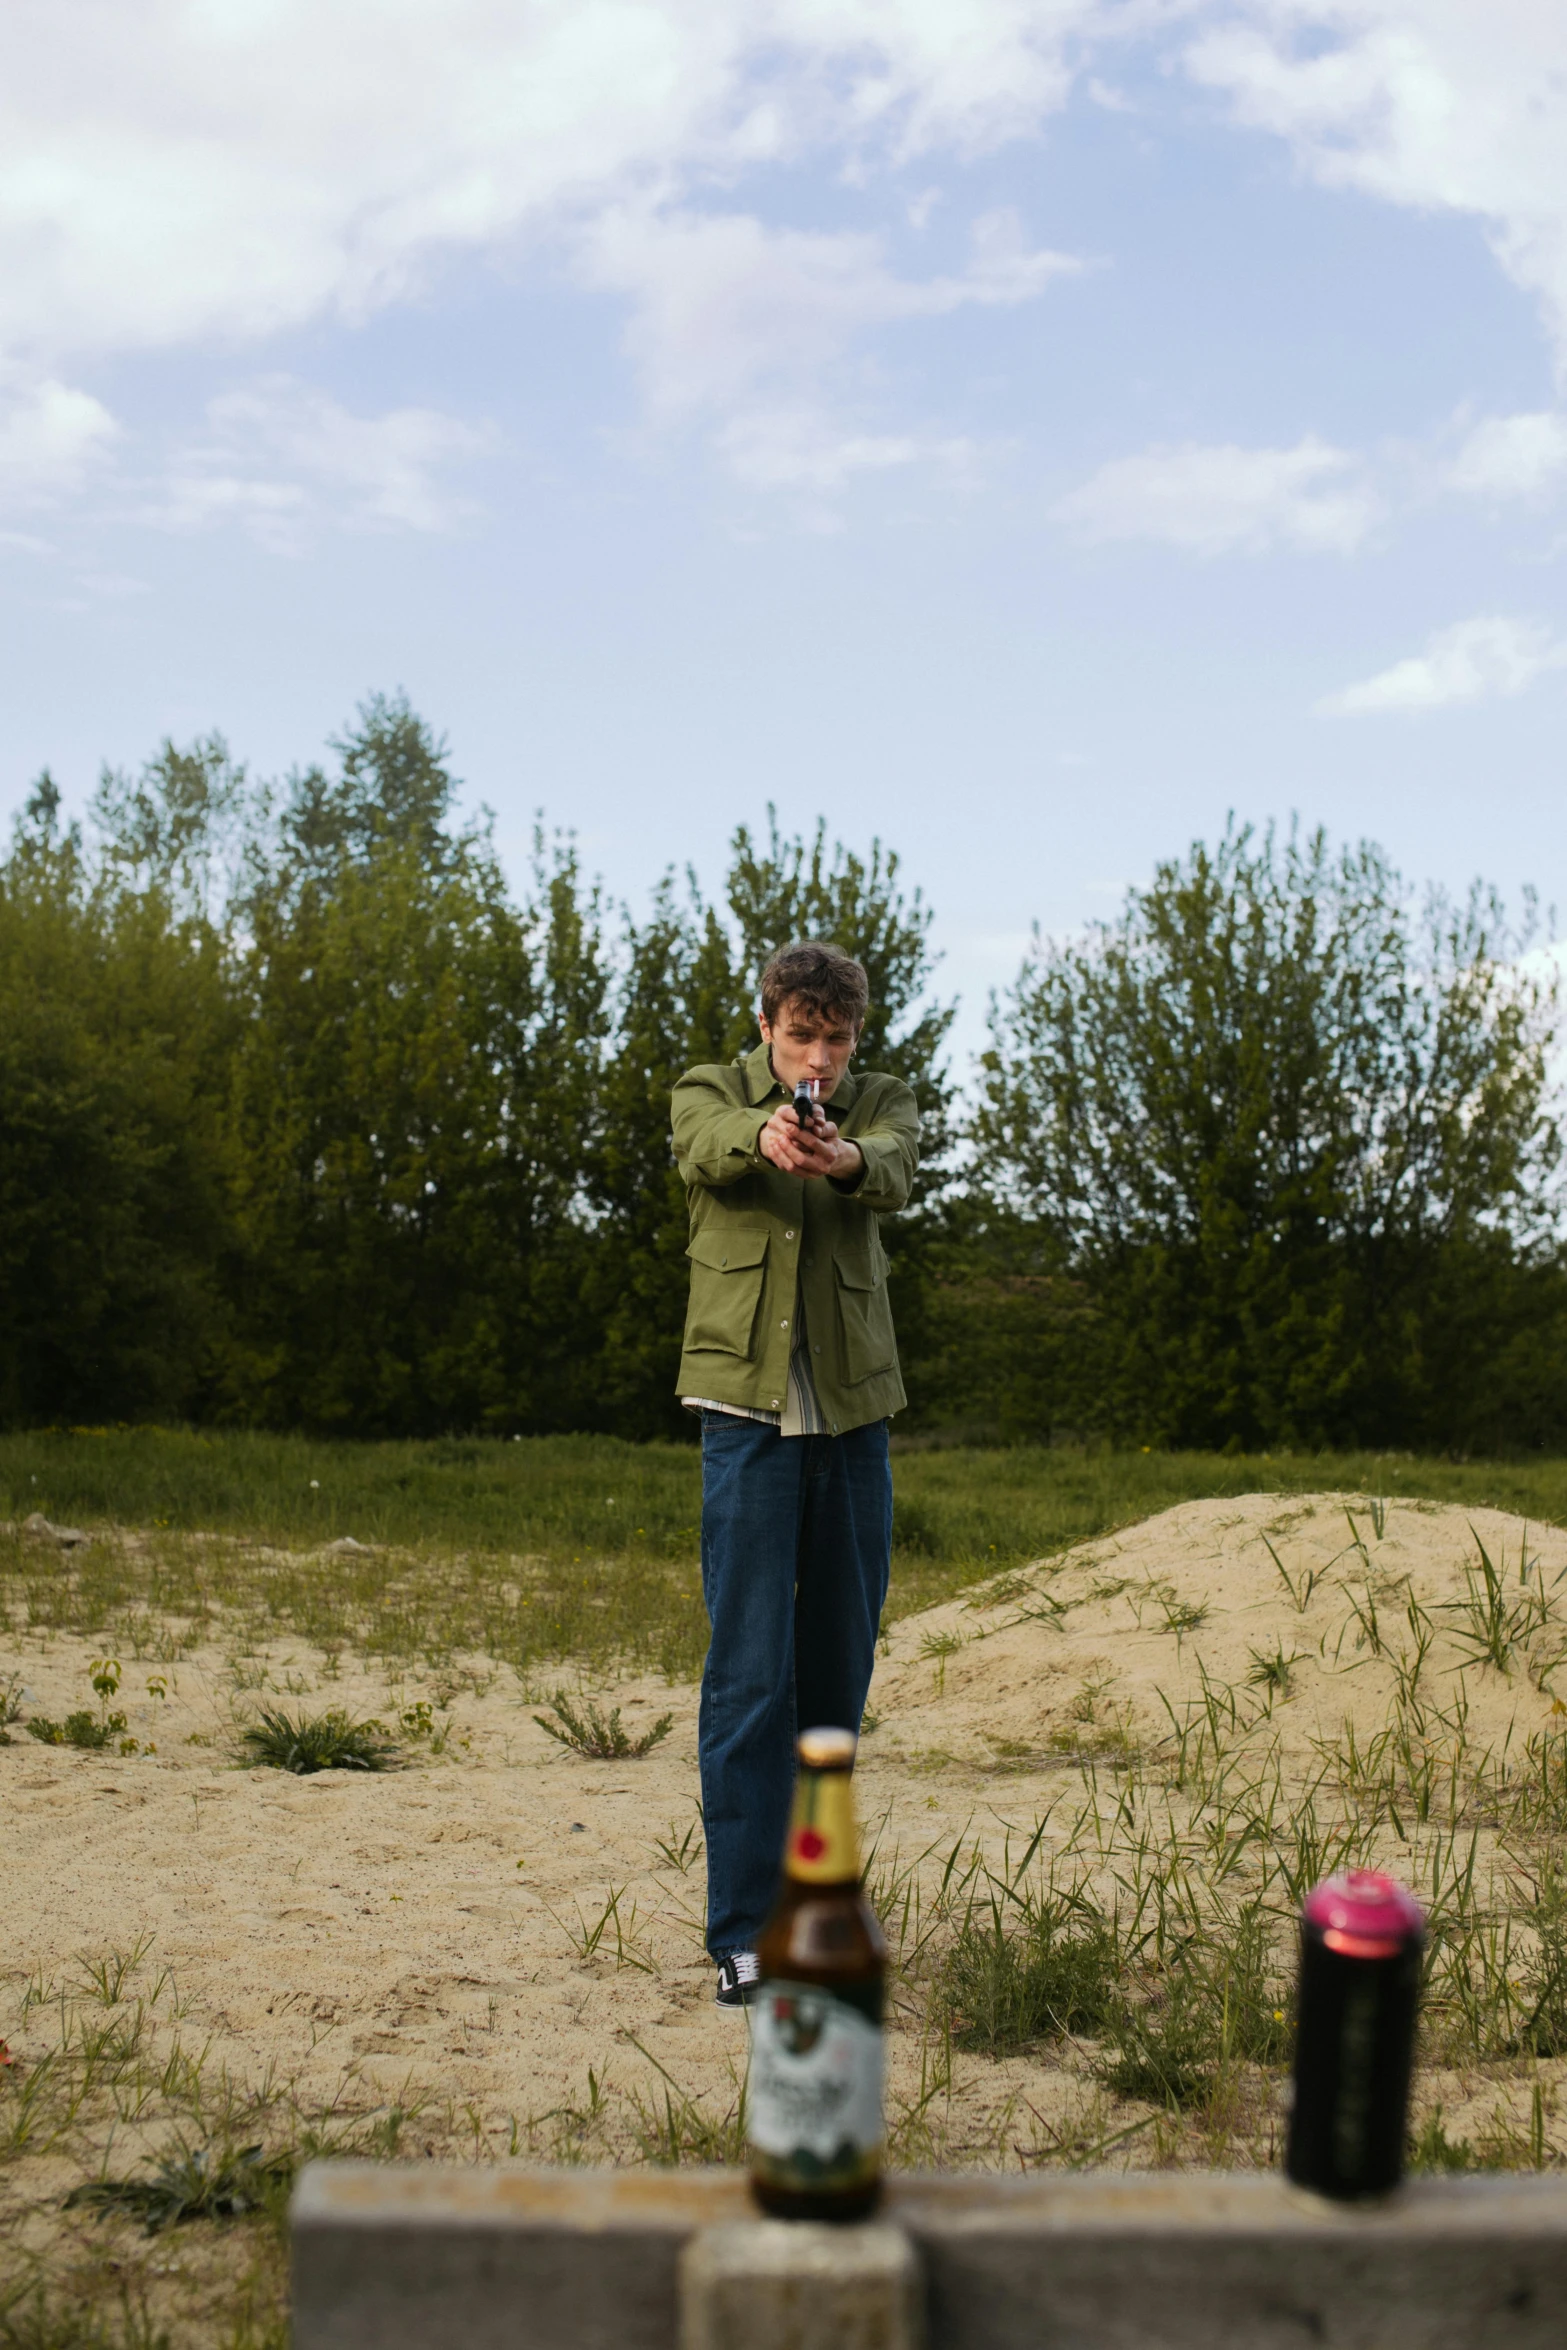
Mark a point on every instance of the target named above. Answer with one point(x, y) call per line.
point(1167, 2048)
point(318, 1742)
point(670, 2126)
point(1028, 1967)
point(191, 2182)
point(1272, 1670)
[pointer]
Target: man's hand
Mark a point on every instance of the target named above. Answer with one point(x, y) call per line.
point(813, 1150)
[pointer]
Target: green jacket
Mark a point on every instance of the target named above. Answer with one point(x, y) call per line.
point(757, 1235)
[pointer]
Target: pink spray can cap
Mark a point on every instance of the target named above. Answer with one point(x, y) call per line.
point(1362, 1914)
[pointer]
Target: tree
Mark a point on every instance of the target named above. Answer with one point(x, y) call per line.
point(1286, 1130)
point(181, 829)
point(393, 785)
point(414, 1099)
point(114, 1035)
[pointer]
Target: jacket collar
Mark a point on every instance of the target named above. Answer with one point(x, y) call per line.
point(760, 1082)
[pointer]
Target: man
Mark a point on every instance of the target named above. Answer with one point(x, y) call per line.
point(791, 1360)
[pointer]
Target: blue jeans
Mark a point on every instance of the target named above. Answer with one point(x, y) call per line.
point(796, 1547)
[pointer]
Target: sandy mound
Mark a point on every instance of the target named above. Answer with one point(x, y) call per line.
point(1119, 1640)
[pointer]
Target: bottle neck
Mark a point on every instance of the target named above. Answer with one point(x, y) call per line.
point(823, 1847)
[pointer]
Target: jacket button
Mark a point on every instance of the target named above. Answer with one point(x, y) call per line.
point(816, 1350)
point(788, 1236)
point(784, 1324)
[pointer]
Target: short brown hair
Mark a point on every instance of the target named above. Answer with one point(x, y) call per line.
point(821, 977)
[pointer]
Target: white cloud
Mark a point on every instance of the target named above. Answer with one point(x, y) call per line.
point(1513, 457)
point(281, 457)
point(172, 170)
point(1227, 500)
point(1479, 660)
point(178, 172)
point(1440, 105)
point(744, 322)
point(179, 169)
point(51, 437)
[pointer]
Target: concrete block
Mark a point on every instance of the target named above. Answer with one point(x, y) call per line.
point(1235, 2261)
point(394, 2257)
point(399, 2256)
point(774, 2284)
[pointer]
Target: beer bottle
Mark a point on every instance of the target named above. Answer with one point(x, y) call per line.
point(814, 2103)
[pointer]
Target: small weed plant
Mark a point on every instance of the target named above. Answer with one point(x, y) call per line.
point(1497, 1620)
point(936, 1648)
point(681, 1848)
point(91, 1732)
point(588, 1732)
point(86, 1730)
point(670, 2126)
point(615, 1933)
point(418, 1722)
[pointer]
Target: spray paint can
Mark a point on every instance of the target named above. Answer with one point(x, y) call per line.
point(1361, 1938)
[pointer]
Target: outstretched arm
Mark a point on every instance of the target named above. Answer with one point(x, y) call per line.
point(717, 1140)
point(889, 1151)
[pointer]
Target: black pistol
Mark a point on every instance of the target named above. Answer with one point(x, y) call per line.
point(804, 1102)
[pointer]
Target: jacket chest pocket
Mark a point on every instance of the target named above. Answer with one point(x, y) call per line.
point(727, 1272)
point(865, 1316)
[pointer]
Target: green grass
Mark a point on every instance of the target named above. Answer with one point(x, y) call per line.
point(553, 1496)
point(560, 1498)
point(564, 1546)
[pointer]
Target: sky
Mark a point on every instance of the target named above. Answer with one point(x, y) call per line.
point(1023, 430)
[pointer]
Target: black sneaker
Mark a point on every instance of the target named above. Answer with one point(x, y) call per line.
point(739, 1978)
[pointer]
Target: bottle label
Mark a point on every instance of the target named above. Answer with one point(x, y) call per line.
point(814, 2096)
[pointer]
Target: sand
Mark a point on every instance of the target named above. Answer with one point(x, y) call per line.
point(416, 1938)
point(1022, 1676)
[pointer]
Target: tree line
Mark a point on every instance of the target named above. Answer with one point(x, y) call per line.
point(308, 1118)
